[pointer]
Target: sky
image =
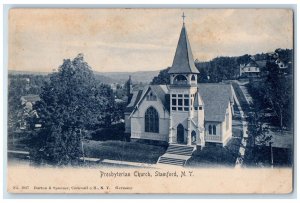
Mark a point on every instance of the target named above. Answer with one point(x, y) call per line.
point(126, 40)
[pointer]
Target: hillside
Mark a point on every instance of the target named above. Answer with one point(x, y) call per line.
point(106, 77)
point(137, 77)
point(19, 72)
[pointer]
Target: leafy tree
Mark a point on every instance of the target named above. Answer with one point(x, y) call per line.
point(278, 92)
point(163, 77)
point(16, 89)
point(256, 128)
point(203, 76)
point(274, 93)
point(244, 59)
point(118, 112)
point(285, 55)
point(72, 103)
point(21, 85)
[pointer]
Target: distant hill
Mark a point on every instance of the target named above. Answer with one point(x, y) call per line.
point(107, 77)
point(104, 79)
point(19, 72)
point(137, 77)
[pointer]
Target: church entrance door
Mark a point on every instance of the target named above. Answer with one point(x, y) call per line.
point(180, 134)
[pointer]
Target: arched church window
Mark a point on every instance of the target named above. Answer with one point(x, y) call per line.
point(214, 130)
point(180, 79)
point(151, 120)
point(209, 129)
point(193, 78)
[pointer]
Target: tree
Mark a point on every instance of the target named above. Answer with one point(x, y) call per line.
point(72, 103)
point(256, 128)
point(15, 90)
point(202, 76)
point(278, 92)
point(245, 59)
point(163, 78)
point(258, 137)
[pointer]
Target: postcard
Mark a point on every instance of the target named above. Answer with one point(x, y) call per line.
point(150, 101)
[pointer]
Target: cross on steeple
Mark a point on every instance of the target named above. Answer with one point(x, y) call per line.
point(183, 16)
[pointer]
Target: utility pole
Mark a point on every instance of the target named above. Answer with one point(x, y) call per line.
point(272, 160)
point(82, 148)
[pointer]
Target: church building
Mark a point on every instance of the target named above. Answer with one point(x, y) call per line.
point(183, 112)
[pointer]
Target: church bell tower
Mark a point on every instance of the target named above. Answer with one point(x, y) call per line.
point(183, 88)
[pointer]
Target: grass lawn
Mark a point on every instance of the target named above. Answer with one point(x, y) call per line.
point(217, 156)
point(123, 151)
point(214, 156)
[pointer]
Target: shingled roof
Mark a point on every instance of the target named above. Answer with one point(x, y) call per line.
point(136, 96)
point(215, 97)
point(183, 60)
point(161, 91)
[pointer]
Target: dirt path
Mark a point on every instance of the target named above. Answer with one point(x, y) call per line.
point(240, 158)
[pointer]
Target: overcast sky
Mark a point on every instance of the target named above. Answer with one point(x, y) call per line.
point(140, 39)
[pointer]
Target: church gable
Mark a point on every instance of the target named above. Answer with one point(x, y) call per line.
point(155, 96)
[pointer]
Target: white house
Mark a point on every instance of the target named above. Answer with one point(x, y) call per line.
point(251, 69)
point(281, 64)
point(182, 112)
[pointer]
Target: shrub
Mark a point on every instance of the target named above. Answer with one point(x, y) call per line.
point(115, 132)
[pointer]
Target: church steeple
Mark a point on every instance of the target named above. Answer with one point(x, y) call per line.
point(183, 87)
point(183, 60)
point(129, 89)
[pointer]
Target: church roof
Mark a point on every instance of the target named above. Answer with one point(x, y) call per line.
point(215, 97)
point(161, 91)
point(183, 60)
point(136, 96)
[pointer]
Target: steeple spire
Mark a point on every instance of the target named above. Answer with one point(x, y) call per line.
point(183, 60)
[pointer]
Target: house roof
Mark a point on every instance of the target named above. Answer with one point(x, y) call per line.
point(30, 98)
point(215, 97)
point(183, 60)
point(252, 63)
point(261, 63)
